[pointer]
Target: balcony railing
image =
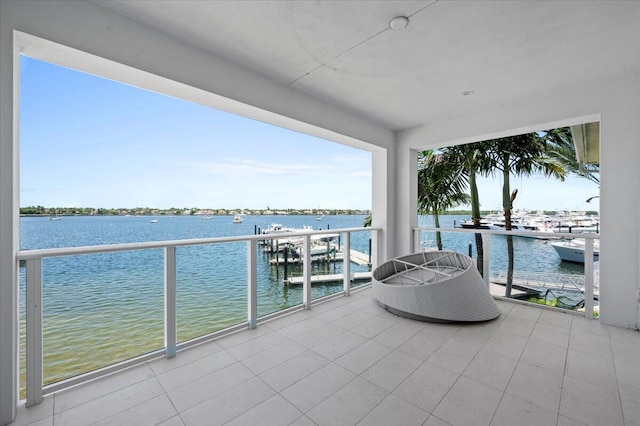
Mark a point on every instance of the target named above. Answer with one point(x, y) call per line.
point(32, 259)
point(587, 286)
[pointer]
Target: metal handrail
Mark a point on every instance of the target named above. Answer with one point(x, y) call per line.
point(108, 248)
point(33, 309)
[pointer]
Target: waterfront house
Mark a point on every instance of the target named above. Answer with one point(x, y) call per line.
point(388, 77)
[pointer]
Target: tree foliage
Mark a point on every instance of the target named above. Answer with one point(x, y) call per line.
point(442, 185)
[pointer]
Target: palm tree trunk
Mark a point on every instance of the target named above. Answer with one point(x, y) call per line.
point(507, 205)
point(436, 221)
point(475, 213)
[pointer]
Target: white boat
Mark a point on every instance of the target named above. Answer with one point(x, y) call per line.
point(154, 221)
point(468, 224)
point(573, 250)
point(526, 225)
point(317, 249)
point(277, 233)
point(205, 217)
point(237, 219)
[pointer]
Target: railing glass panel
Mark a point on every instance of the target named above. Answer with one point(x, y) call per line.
point(211, 284)
point(539, 275)
point(107, 307)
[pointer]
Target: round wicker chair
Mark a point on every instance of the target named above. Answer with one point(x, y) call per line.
point(439, 286)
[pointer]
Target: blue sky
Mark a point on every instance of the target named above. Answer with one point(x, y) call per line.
point(90, 142)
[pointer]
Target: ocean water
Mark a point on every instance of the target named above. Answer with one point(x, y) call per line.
point(105, 308)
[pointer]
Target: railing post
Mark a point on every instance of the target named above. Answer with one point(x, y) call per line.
point(375, 249)
point(486, 260)
point(588, 278)
point(34, 331)
point(346, 263)
point(306, 273)
point(416, 240)
point(252, 284)
point(170, 315)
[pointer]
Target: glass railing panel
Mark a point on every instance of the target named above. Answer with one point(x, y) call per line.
point(100, 309)
point(280, 282)
point(362, 247)
point(539, 274)
point(211, 287)
point(278, 261)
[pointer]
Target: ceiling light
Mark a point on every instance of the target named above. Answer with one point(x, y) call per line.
point(398, 23)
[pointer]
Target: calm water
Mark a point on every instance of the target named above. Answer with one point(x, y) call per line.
point(101, 309)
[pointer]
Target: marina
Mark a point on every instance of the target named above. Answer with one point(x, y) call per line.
point(562, 222)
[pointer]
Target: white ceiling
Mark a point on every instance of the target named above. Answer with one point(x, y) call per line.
point(345, 54)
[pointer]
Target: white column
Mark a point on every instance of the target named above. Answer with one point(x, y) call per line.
point(383, 204)
point(170, 317)
point(9, 220)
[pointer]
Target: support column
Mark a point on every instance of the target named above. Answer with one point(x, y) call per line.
point(383, 202)
point(9, 220)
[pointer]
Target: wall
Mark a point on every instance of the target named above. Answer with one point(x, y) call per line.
point(616, 104)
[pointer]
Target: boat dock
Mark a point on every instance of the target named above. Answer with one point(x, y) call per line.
point(356, 257)
point(532, 282)
point(330, 278)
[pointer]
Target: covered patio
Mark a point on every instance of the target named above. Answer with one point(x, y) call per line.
point(349, 362)
point(444, 73)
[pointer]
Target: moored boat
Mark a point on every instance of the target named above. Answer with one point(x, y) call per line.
point(573, 250)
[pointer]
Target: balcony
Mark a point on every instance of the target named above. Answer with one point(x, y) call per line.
point(380, 92)
point(348, 361)
point(342, 359)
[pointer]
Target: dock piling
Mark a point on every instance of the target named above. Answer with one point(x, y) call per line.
point(286, 261)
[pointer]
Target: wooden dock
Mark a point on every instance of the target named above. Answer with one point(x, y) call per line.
point(335, 278)
point(359, 258)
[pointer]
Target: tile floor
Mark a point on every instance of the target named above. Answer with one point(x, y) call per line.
point(349, 362)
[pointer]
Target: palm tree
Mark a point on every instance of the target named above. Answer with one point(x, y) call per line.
point(441, 186)
point(520, 155)
point(560, 146)
point(472, 159)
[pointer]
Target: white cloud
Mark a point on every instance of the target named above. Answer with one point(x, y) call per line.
point(241, 167)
